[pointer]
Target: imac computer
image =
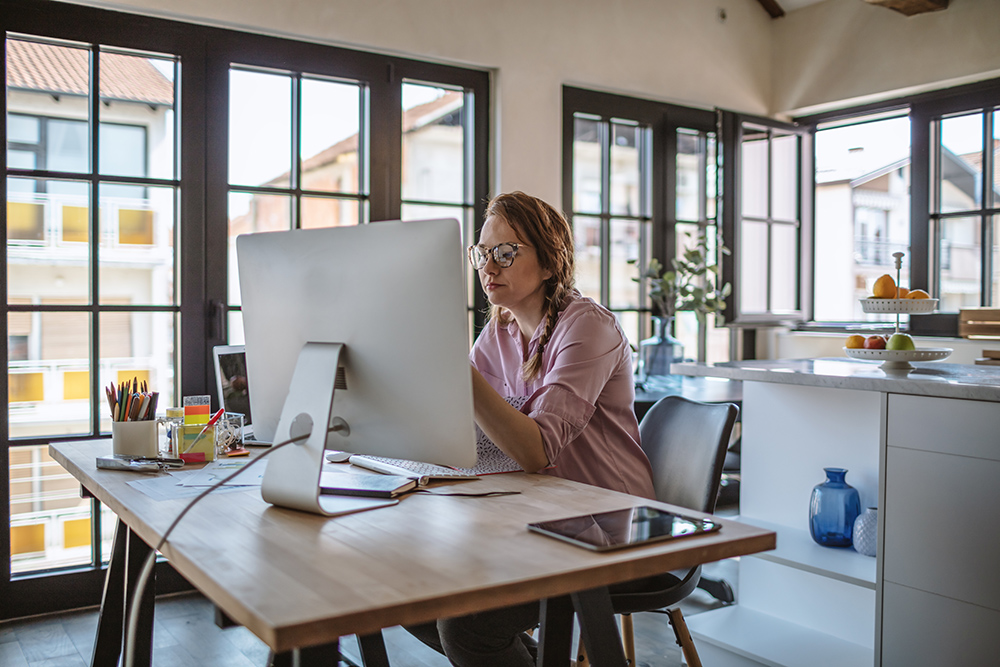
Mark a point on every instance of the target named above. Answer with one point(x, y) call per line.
point(356, 338)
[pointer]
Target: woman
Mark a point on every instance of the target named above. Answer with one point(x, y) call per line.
point(568, 355)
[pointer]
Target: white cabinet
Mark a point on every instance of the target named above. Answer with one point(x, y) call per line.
point(932, 465)
point(941, 534)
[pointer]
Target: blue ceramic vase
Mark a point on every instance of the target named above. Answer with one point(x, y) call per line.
point(833, 508)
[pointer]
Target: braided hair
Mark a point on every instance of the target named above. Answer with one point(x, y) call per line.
point(545, 228)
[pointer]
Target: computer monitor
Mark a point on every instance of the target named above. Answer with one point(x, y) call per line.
point(394, 294)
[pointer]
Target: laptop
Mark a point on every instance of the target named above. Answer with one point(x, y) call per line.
point(233, 388)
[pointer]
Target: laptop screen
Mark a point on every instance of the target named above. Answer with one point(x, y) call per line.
point(231, 373)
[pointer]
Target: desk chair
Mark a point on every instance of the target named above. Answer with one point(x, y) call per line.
point(686, 443)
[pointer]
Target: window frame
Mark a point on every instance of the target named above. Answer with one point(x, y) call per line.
point(202, 211)
point(924, 109)
point(663, 119)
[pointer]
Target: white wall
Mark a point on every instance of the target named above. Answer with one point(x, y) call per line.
point(841, 50)
point(674, 50)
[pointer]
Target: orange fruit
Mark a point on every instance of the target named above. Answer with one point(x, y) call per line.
point(855, 342)
point(885, 288)
point(918, 294)
point(903, 292)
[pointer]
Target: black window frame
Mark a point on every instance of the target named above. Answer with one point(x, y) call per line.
point(205, 53)
point(924, 110)
point(664, 119)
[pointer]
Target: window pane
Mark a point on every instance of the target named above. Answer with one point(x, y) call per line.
point(253, 213)
point(995, 190)
point(862, 208)
point(784, 268)
point(260, 128)
point(433, 144)
point(690, 175)
point(961, 263)
point(753, 274)
point(47, 88)
point(587, 248)
point(961, 163)
point(996, 261)
point(137, 117)
point(754, 172)
point(49, 521)
point(328, 212)
point(47, 346)
point(623, 291)
point(234, 325)
point(686, 235)
point(626, 141)
point(785, 177)
point(711, 176)
point(138, 345)
point(331, 120)
point(586, 165)
point(137, 245)
point(48, 227)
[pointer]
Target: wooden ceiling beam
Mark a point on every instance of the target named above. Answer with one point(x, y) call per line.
point(773, 8)
point(911, 7)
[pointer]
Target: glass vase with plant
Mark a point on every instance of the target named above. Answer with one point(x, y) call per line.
point(692, 284)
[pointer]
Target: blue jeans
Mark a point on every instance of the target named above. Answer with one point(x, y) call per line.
point(485, 639)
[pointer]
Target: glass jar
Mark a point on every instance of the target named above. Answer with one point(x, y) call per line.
point(173, 420)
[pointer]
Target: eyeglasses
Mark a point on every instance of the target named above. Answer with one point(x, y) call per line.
point(503, 254)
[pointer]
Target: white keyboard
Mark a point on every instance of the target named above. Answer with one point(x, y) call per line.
point(405, 468)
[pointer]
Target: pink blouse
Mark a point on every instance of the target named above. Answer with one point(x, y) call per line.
point(582, 400)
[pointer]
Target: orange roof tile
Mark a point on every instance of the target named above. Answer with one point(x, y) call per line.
point(61, 69)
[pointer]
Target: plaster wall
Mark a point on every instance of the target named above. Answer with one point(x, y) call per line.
point(838, 53)
point(673, 50)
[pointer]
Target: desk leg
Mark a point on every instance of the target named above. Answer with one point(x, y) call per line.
point(108, 643)
point(373, 653)
point(597, 627)
point(324, 655)
point(555, 636)
point(137, 553)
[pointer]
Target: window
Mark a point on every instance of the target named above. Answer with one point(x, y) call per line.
point(766, 207)
point(862, 193)
point(639, 179)
point(122, 200)
point(964, 207)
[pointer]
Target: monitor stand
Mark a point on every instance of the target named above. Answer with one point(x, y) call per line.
point(293, 472)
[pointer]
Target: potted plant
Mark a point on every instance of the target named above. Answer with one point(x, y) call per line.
point(693, 284)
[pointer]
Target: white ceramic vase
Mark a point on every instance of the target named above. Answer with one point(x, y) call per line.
point(865, 537)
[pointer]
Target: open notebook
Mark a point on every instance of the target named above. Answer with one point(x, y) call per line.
point(489, 460)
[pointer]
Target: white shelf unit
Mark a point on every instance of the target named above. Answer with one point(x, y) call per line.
point(800, 604)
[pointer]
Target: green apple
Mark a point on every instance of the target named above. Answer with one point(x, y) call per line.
point(900, 341)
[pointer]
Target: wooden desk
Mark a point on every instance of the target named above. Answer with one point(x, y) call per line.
point(299, 580)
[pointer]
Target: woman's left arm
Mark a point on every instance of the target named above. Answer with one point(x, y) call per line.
point(514, 432)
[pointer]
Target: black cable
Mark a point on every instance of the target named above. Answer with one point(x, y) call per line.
point(147, 566)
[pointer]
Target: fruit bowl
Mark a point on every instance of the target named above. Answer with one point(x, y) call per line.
point(895, 359)
point(898, 305)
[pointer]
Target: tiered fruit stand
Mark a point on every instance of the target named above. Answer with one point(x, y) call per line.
point(899, 359)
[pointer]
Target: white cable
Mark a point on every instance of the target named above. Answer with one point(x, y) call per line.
point(147, 566)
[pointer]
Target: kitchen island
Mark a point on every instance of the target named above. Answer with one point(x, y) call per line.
point(924, 447)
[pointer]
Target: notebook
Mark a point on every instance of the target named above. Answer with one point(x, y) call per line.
point(233, 388)
point(369, 486)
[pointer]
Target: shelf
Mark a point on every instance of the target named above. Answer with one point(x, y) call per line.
point(771, 641)
point(797, 549)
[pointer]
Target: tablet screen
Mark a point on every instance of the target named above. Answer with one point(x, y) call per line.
point(623, 528)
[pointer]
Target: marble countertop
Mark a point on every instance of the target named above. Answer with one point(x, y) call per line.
point(980, 383)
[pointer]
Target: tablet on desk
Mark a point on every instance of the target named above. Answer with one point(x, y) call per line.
point(624, 528)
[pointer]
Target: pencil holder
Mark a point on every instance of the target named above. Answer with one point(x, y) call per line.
point(194, 445)
point(135, 439)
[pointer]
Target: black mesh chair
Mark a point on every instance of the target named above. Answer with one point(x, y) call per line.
point(686, 443)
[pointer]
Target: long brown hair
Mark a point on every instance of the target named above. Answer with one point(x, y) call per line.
point(546, 229)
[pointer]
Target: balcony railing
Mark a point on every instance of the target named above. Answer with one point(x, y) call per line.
point(870, 252)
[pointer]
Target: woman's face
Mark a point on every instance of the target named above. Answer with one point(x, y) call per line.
point(519, 287)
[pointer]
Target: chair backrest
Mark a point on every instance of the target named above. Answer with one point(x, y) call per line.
point(686, 443)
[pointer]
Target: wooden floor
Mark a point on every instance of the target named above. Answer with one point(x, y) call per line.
point(184, 635)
